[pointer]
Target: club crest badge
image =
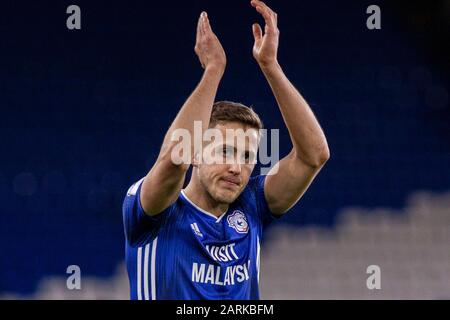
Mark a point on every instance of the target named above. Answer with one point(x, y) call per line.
point(238, 221)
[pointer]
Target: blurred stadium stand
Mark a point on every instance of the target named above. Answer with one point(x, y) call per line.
point(84, 113)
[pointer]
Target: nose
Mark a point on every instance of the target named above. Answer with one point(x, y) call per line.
point(235, 168)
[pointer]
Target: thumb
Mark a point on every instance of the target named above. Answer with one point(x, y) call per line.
point(257, 32)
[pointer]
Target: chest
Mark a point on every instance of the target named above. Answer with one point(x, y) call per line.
point(231, 239)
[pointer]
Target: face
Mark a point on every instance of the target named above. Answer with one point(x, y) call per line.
point(227, 163)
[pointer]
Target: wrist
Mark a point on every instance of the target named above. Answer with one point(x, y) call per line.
point(215, 70)
point(269, 67)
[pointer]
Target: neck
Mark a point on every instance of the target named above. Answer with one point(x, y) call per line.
point(202, 199)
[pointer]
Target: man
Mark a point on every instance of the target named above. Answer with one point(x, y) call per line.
point(203, 242)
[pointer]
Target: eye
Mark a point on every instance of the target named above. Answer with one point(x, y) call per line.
point(248, 157)
point(227, 151)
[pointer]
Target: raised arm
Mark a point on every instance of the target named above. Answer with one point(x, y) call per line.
point(310, 149)
point(164, 181)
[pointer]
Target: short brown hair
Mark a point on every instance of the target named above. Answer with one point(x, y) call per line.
point(228, 111)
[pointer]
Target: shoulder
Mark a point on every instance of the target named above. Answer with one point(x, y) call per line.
point(253, 191)
point(132, 202)
point(254, 186)
point(133, 189)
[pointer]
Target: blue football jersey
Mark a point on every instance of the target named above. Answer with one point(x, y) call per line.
point(188, 253)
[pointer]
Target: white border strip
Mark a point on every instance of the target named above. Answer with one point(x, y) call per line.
point(139, 260)
point(146, 252)
point(203, 211)
point(258, 249)
point(153, 263)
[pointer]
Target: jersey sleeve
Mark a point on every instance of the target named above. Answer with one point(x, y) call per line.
point(264, 213)
point(139, 227)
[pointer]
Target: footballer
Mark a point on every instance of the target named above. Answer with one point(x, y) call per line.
point(203, 241)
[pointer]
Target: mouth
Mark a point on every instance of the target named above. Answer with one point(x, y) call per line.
point(230, 182)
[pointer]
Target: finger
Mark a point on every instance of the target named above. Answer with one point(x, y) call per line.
point(198, 27)
point(254, 3)
point(203, 23)
point(207, 24)
point(266, 8)
point(257, 32)
point(262, 4)
point(270, 23)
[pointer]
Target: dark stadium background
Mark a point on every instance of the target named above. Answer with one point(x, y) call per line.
point(83, 112)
